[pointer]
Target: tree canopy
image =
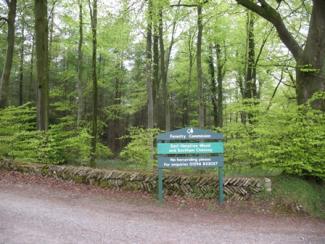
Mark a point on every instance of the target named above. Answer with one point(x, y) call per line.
point(108, 75)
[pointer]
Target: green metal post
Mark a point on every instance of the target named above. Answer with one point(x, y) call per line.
point(220, 176)
point(160, 185)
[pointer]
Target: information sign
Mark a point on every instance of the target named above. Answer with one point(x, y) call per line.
point(190, 147)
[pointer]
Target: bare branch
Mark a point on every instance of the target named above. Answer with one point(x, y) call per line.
point(262, 46)
point(183, 5)
point(275, 90)
point(91, 13)
point(52, 9)
point(3, 19)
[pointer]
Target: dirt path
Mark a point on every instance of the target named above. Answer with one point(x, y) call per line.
point(37, 210)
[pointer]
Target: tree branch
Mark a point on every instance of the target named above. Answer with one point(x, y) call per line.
point(275, 90)
point(3, 19)
point(262, 46)
point(179, 4)
point(271, 15)
point(183, 5)
point(90, 13)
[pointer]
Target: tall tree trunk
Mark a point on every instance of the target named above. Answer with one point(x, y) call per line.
point(249, 83)
point(216, 85)
point(115, 124)
point(93, 14)
point(163, 71)
point(5, 77)
point(214, 95)
point(199, 66)
point(250, 76)
point(42, 62)
point(162, 67)
point(21, 63)
point(51, 31)
point(150, 122)
point(80, 66)
point(220, 76)
point(186, 119)
point(32, 91)
point(155, 81)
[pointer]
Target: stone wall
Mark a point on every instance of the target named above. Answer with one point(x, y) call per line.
point(238, 188)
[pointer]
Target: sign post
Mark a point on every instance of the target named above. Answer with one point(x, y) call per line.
point(189, 147)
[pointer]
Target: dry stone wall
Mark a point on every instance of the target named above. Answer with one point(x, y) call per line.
point(190, 185)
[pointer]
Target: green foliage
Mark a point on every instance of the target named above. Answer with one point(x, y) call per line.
point(16, 136)
point(103, 151)
point(291, 139)
point(62, 143)
point(140, 150)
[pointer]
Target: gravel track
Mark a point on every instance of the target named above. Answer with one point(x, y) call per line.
point(33, 212)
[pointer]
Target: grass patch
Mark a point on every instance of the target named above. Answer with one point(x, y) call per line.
point(293, 194)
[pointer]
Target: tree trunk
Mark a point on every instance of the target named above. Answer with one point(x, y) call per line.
point(250, 76)
point(150, 122)
point(5, 77)
point(167, 102)
point(80, 66)
point(310, 70)
point(51, 31)
point(199, 66)
point(32, 91)
point(93, 14)
point(249, 84)
point(21, 63)
point(220, 75)
point(155, 81)
point(115, 123)
point(163, 73)
point(186, 119)
point(213, 85)
point(311, 65)
point(42, 62)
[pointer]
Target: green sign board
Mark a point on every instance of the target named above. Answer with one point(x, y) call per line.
point(190, 147)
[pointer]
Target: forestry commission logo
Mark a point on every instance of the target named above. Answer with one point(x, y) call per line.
point(190, 131)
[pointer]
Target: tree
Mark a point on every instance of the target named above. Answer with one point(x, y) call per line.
point(42, 63)
point(93, 19)
point(250, 71)
point(199, 65)
point(5, 77)
point(80, 65)
point(150, 104)
point(163, 72)
point(164, 65)
point(310, 61)
point(22, 57)
point(216, 84)
point(155, 65)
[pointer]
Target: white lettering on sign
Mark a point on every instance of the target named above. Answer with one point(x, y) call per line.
point(199, 136)
point(187, 164)
point(171, 136)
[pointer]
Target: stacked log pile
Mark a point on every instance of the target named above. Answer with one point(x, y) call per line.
point(238, 188)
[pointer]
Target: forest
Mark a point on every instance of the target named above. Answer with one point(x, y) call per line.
point(92, 82)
